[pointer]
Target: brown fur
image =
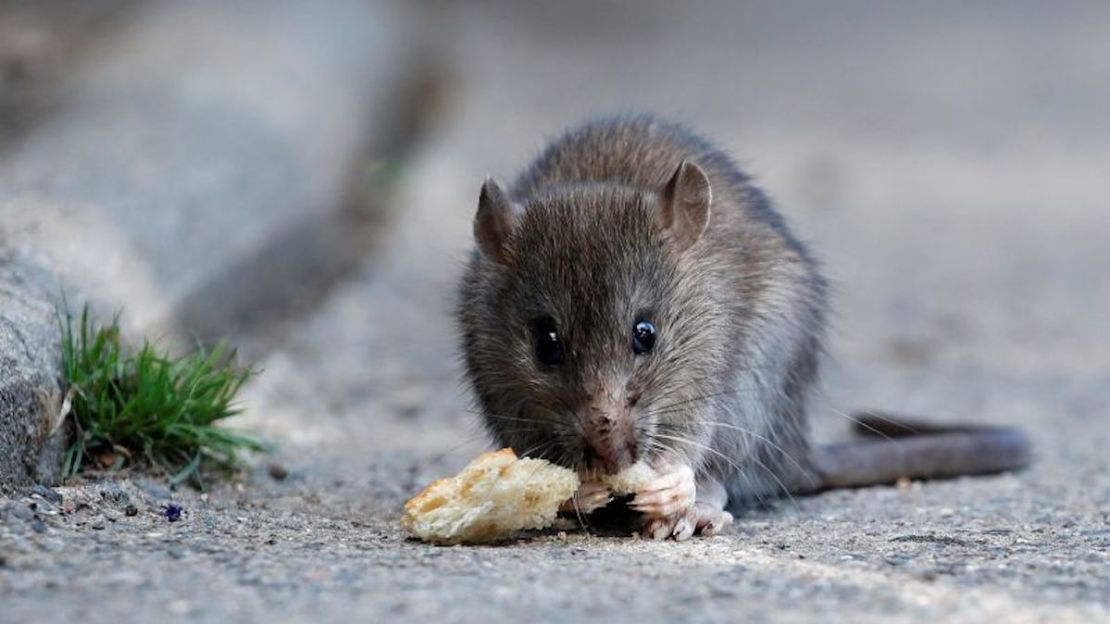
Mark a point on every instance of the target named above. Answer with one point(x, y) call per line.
point(608, 226)
point(740, 312)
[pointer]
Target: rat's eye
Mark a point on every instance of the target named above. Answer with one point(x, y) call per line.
point(643, 337)
point(549, 348)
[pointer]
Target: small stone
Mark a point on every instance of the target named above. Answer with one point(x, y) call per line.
point(278, 472)
point(47, 493)
point(131, 510)
point(926, 575)
point(903, 483)
point(98, 524)
point(113, 493)
point(38, 526)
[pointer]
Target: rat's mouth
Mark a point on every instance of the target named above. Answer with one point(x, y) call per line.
point(609, 447)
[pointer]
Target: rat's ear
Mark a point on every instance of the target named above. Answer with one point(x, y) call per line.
point(496, 217)
point(684, 213)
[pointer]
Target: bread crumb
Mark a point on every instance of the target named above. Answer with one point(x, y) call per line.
point(495, 496)
point(630, 480)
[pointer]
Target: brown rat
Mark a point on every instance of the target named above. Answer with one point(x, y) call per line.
point(633, 297)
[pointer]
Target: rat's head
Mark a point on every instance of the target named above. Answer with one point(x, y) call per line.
point(588, 325)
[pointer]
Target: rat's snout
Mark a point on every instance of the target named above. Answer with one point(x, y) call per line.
point(608, 434)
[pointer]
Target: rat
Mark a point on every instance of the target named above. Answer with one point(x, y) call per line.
point(633, 297)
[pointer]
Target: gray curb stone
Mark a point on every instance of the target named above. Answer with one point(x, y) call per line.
point(31, 443)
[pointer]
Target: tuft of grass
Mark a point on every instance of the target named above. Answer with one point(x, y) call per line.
point(143, 408)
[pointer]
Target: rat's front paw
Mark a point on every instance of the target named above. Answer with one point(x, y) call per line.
point(590, 497)
point(672, 492)
point(701, 518)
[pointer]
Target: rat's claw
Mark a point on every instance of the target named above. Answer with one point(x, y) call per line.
point(711, 520)
point(668, 495)
point(684, 528)
point(590, 497)
point(680, 525)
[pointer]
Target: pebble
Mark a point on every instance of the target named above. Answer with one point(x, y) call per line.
point(278, 472)
point(926, 575)
point(47, 493)
point(113, 493)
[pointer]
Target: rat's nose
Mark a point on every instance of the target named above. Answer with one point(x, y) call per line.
point(610, 439)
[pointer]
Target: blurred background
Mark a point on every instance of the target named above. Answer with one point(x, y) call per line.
point(301, 177)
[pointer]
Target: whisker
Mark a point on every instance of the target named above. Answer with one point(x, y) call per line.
point(740, 474)
point(736, 466)
point(668, 408)
point(878, 416)
point(677, 407)
point(758, 436)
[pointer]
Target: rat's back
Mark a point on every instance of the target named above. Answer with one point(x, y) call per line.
point(640, 152)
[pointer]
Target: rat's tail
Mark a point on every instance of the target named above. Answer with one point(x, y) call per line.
point(908, 448)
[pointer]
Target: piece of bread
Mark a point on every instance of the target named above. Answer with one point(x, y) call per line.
point(495, 496)
point(630, 480)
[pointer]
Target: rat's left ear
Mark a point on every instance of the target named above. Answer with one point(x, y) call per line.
point(496, 217)
point(684, 213)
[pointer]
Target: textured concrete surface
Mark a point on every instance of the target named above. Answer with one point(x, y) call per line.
point(947, 164)
point(30, 359)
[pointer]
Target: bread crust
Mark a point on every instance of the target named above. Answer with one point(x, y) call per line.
point(493, 498)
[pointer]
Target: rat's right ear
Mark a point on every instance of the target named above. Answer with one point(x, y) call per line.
point(687, 198)
point(496, 217)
